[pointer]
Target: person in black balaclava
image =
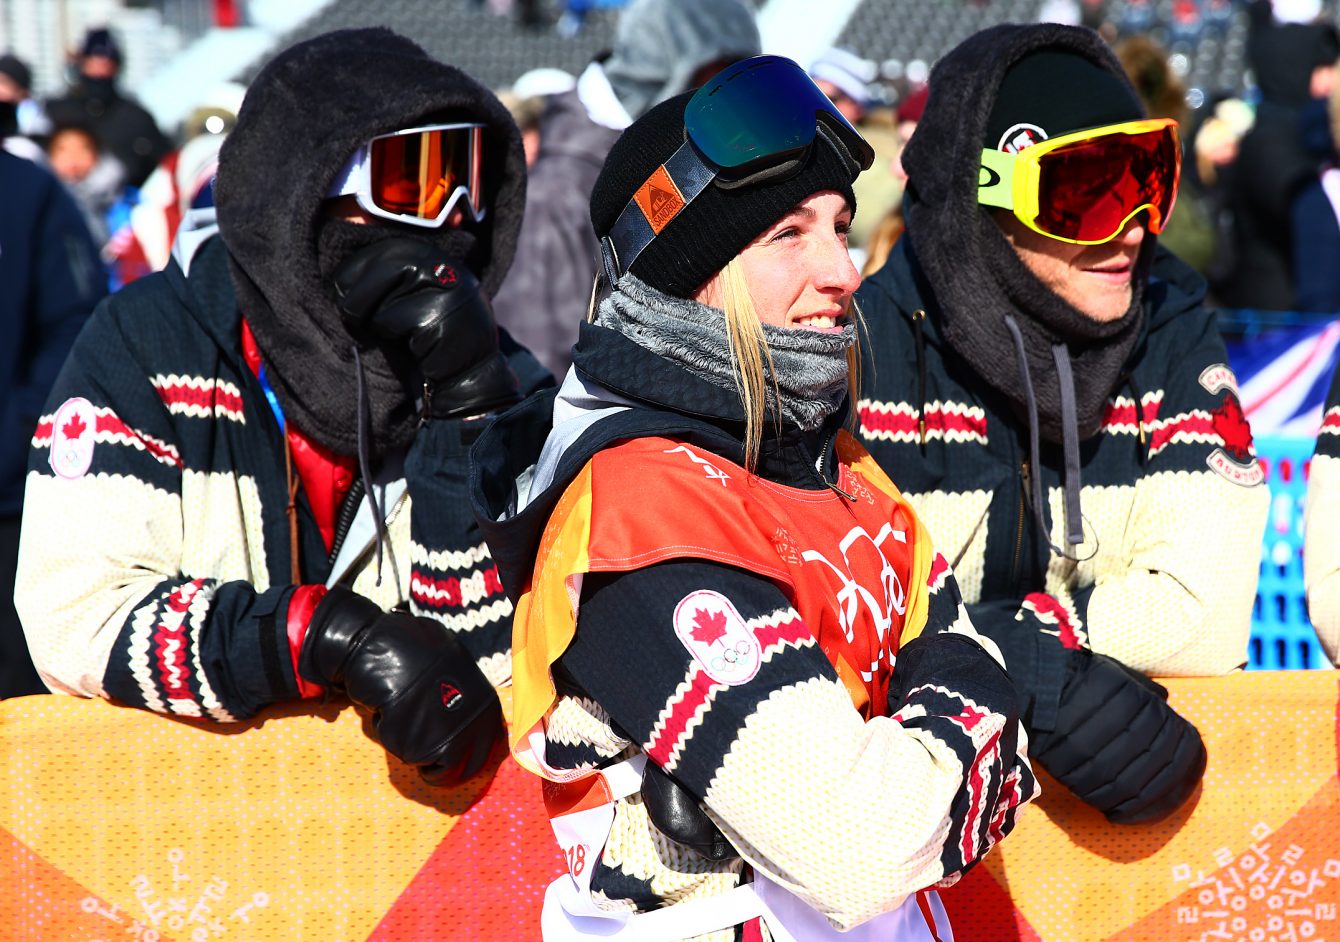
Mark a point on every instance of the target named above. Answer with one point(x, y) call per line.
point(271, 434)
point(1046, 386)
point(93, 100)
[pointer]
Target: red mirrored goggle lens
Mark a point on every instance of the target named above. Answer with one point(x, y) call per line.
point(1087, 190)
point(416, 174)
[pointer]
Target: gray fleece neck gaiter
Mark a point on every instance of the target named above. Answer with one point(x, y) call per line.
point(809, 374)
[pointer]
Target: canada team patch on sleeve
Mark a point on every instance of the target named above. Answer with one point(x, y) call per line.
point(1235, 458)
point(709, 626)
point(1215, 379)
point(72, 431)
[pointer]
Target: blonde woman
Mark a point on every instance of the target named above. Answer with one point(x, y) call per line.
point(740, 666)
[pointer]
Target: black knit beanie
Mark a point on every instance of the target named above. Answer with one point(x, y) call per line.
point(713, 228)
point(1054, 92)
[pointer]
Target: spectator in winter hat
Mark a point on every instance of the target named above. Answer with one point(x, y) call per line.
point(1036, 366)
point(845, 78)
point(125, 129)
point(282, 418)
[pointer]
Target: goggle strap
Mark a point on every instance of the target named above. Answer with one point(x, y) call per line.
point(995, 180)
point(663, 196)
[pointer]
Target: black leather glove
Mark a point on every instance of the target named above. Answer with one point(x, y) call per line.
point(431, 705)
point(1118, 745)
point(677, 815)
point(404, 289)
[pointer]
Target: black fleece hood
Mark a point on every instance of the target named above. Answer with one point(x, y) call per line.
point(304, 115)
point(1055, 365)
point(980, 286)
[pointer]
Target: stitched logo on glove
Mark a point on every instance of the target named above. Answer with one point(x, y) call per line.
point(445, 274)
point(451, 696)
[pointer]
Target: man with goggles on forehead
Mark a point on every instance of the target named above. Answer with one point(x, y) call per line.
point(1045, 384)
point(248, 484)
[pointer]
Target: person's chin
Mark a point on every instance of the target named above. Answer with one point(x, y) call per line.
point(1106, 302)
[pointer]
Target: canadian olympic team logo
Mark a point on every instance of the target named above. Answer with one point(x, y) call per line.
point(709, 626)
point(885, 600)
point(72, 438)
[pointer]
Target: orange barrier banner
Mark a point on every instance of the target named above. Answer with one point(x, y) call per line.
point(1256, 857)
point(117, 824)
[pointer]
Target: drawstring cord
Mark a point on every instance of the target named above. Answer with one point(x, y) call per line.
point(1074, 520)
point(364, 461)
point(1070, 445)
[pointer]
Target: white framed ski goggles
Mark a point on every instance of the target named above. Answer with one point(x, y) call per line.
point(419, 175)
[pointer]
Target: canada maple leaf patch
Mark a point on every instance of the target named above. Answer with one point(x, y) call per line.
point(1230, 424)
point(708, 627)
point(726, 649)
point(72, 438)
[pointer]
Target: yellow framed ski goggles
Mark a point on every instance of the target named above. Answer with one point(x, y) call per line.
point(1085, 187)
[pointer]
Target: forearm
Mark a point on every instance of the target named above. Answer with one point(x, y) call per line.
point(453, 578)
point(912, 797)
point(109, 611)
point(1182, 606)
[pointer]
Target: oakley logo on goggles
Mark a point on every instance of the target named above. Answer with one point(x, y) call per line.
point(752, 122)
point(1085, 187)
point(417, 176)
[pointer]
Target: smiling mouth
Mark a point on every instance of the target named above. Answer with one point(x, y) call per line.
point(825, 322)
point(1112, 272)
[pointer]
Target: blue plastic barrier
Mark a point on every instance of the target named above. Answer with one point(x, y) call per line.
point(1282, 635)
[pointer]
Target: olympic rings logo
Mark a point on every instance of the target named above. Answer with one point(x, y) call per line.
point(733, 655)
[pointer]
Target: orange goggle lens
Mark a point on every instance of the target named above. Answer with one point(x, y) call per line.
point(418, 174)
point(1089, 189)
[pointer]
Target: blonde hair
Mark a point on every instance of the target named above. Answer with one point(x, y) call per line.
point(749, 351)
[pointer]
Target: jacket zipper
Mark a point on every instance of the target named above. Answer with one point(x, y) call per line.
point(818, 473)
point(399, 505)
point(348, 510)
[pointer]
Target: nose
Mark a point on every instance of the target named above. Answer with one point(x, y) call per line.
point(835, 273)
point(1134, 233)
